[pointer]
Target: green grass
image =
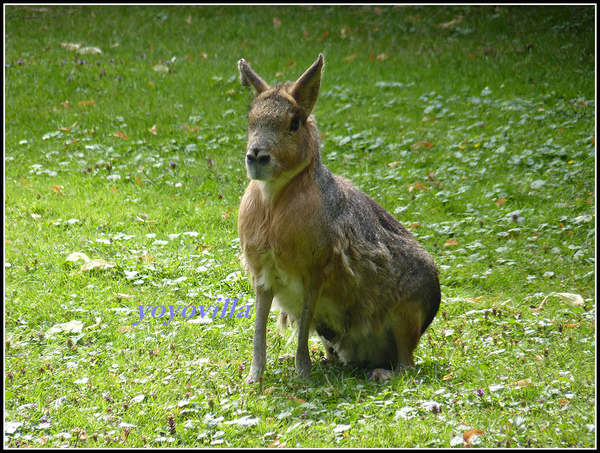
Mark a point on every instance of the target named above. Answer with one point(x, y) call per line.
point(479, 136)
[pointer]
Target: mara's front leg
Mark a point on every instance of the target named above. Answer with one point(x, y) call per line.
point(264, 298)
point(313, 288)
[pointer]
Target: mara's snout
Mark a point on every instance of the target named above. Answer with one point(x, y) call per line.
point(258, 163)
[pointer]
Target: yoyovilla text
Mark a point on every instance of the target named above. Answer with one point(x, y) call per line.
point(228, 310)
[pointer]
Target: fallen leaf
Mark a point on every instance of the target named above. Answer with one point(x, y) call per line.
point(67, 327)
point(523, 383)
point(67, 129)
point(120, 135)
point(82, 103)
point(290, 64)
point(123, 296)
point(70, 46)
point(325, 35)
point(501, 201)
point(277, 22)
point(447, 377)
point(350, 58)
point(189, 20)
point(58, 189)
point(76, 256)
point(468, 435)
point(452, 23)
point(124, 329)
point(417, 185)
point(425, 145)
point(449, 242)
point(89, 51)
point(98, 323)
point(160, 68)
point(574, 300)
point(138, 181)
point(153, 130)
point(305, 34)
point(96, 264)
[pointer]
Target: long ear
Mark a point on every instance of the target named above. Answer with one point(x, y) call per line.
point(306, 89)
point(250, 78)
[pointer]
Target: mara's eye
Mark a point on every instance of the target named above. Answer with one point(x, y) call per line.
point(295, 124)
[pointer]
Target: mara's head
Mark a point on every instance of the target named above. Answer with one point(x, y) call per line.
point(282, 134)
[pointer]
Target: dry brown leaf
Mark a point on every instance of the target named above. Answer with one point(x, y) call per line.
point(325, 35)
point(447, 377)
point(67, 129)
point(425, 145)
point(350, 58)
point(449, 242)
point(417, 185)
point(452, 23)
point(468, 435)
point(277, 22)
point(82, 103)
point(119, 134)
point(501, 201)
point(523, 383)
point(153, 130)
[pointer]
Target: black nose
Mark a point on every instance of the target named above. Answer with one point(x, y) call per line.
point(258, 155)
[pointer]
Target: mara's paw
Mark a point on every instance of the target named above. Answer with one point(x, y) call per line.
point(380, 374)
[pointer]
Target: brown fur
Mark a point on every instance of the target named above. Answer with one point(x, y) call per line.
point(329, 256)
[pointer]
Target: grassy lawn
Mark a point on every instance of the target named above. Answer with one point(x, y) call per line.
point(124, 168)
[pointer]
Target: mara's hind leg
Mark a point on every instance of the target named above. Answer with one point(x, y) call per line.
point(405, 336)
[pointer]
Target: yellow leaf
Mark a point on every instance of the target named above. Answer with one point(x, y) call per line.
point(449, 242)
point(501, 201)
point(70, 46)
